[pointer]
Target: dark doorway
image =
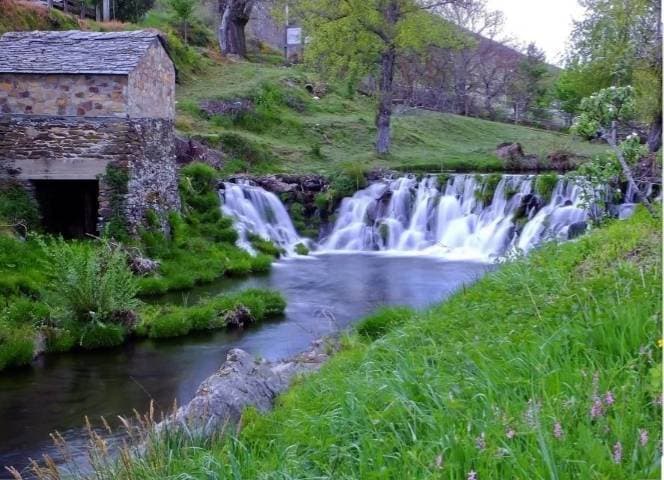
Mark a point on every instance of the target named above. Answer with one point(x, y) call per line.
point(68, 207)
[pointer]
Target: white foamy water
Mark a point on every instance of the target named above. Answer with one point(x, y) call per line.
point(407, 216)
point(259, 212)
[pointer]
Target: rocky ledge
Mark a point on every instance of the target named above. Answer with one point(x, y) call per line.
point(244, 381)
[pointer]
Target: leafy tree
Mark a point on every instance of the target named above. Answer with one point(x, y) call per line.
point(527, 87)
point(618, 42)
point(130, 10)
point(183, 9)
point(600, 113)
point(354, 38)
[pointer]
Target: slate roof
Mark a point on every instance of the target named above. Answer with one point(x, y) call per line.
point(74, 51)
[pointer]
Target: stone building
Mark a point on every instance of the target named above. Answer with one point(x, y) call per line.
point(86, 124)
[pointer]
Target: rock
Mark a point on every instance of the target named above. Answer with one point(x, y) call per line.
point(143, 265)
point(515, 159)
point(509, 151)
point(188, 150)
point(576, 230)
point(562, 160)
point(241, 382)
point(233, 107)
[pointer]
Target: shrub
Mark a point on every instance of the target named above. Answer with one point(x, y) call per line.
point(24, 311)
point(59, 339)
point(545, 185)
point(16, 345)
point(301, 249)
point(101, 335)
point(89, 282)
point(264, 246)
point(171, 324)
point(261, 263)
point(383, 320)
point(17, 207)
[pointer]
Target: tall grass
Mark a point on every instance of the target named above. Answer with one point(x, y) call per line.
point(548, 368)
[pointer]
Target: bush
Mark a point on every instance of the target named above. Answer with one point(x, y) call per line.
point(59, 339)
point(17, 207)
point(545, 185)
point(22, 311)
point(264, 246)
point(170, 324)
point(16, 346)
point(100, 335)
point(89, 282)
point(383, 320)
point(301, 249)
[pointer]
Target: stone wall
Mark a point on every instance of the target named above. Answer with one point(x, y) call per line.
point(42, 148)
point(65, 95)
point(152, 86)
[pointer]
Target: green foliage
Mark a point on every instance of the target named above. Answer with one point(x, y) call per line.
point(210, 313)
point(18, 208)
point(24, 311)
point(545, 185)
point(489, 184)
point(20, 266)
point(94, 335)
point(500, 379)
point(88, 282)
point(265, 246)
point(594, 178)
point(600, 110)
point(117, 180)
point(618, 42)
point(16, 345)
point(132, 10)
point(383, 320)
point(301, 249)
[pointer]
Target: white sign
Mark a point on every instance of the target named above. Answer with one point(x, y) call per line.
point(294, 35)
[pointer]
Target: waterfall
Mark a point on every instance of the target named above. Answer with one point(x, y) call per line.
point(259, 212)
point(462, 216)
point(454, 219)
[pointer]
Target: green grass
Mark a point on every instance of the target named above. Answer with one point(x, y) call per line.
point(255, 305)
point(321, 135)
point(500, 380)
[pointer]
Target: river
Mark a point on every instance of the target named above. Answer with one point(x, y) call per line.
point(325, 293)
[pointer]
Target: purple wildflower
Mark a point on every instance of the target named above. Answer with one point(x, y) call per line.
point(617, 452)
point(480, 443)
point(608, 398)
point(472, 475)
point(510, 433)
point(532, 412)
point(558, 430)
point(597, 409)
point(643, 436)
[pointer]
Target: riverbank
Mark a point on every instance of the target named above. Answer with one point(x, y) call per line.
point(548, 367)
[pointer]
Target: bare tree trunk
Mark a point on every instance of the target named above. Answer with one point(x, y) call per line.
point(98, 12)
point(82, 9)
point(49, 4)
point(655, 134)
point(235, 15)
point(611, 138)
point(106, 10)
point(385, 91)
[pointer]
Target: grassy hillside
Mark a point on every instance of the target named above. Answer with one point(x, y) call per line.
point(549, 367)
point(291, 131)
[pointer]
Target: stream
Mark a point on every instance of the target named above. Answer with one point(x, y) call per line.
point(324, 293)
point(399, 241)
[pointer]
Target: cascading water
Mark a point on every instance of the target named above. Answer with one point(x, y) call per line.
point(462, 217)
point(259, 212)
point(405, 215)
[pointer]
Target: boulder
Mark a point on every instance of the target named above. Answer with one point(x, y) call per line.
point(232, 108)
point(514, 158)
point(242, 381)
point(188, 150)
point(563, 161)
point(576, 230)
point(143, 265)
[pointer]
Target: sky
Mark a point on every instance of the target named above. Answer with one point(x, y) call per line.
point(548, 23)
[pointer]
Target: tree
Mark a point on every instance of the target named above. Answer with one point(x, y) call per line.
point(354, 38)
point(183, 9)
point(619, 43)
point(527, 86)
point(600, 113)
point(130, 10)
point(235, 15)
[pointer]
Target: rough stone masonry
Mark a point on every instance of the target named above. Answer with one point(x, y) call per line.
point(76, 105)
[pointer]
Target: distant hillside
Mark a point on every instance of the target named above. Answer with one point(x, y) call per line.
point(19, 15)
